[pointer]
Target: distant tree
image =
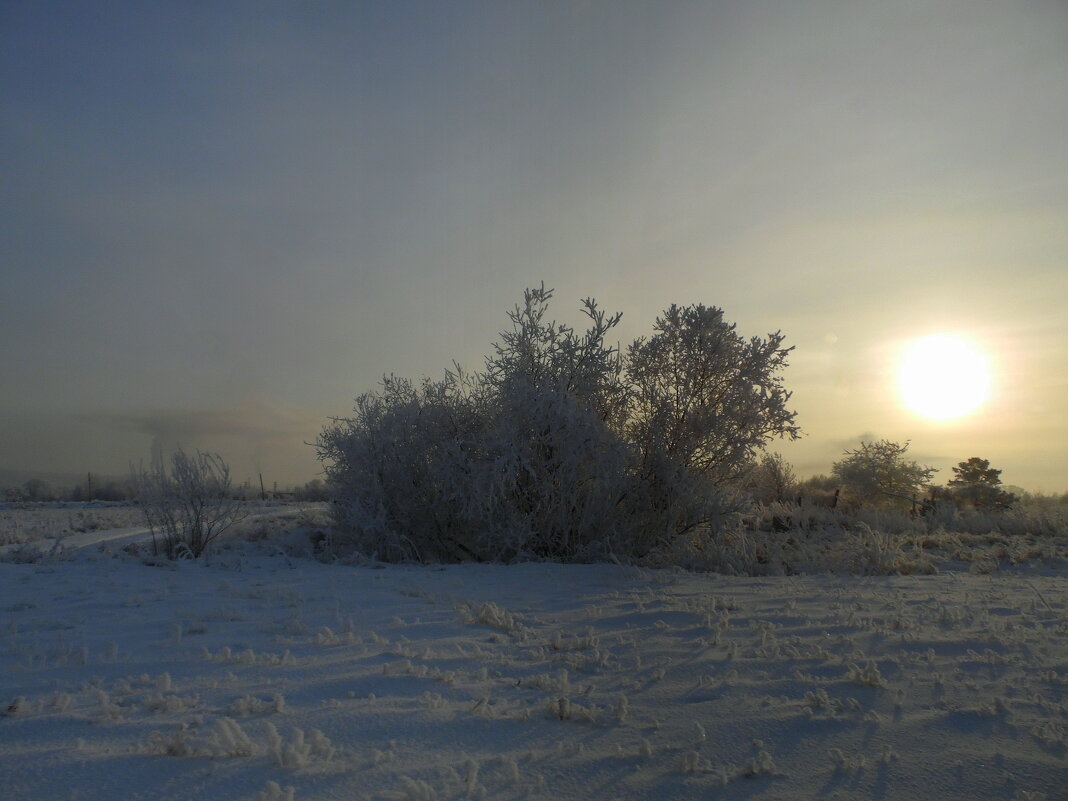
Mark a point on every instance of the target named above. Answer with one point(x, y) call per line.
point(975, 471)
point(14, 494)
point(99, 490)
point(114, 491)
point(975, 483)
point(880, 469)
point(772, 479)
point(79, 493)
point(819, 490)
point(37, 489)
point(314, 490)
point(820, 482)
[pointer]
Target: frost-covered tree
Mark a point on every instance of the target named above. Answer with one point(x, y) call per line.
point(558, 449)
point(187, 503)
point(880, 470)
point(705, 397)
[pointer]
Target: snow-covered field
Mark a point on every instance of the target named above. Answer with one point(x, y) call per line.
point(271, 677)
point(31, 523)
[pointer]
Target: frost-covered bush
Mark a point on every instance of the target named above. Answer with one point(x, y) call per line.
point(188, 504)
point(457, 470)
point(879, 471)
point(408, 470)
point(562, 448)
point(558, 478)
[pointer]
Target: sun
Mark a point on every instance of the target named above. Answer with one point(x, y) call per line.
point(943, 377)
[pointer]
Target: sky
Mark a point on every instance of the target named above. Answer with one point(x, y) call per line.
point(220, 222)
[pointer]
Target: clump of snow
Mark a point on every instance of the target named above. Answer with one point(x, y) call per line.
point(844, 763)
point(490, 614)
point(299, 751)
point(248, 705)
point(868, 675)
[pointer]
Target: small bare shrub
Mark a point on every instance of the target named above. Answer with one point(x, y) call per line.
point(189, 505)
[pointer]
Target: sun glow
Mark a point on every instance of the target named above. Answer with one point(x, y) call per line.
point(943, 377)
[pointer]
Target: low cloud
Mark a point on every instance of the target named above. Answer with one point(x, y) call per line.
point(852, 443)
point(253, 437)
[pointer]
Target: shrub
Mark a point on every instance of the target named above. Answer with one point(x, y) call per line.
point(396, 470)
point(189, 505)
point(558, 449)
point(439, 473)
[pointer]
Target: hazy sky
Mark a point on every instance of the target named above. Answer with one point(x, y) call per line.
point(221, 221)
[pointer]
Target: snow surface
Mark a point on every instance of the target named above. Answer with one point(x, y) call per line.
point(272, 678)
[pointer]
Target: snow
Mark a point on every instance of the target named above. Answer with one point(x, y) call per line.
point(252, 676)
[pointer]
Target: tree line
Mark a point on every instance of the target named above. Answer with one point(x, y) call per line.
point(113, 490)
